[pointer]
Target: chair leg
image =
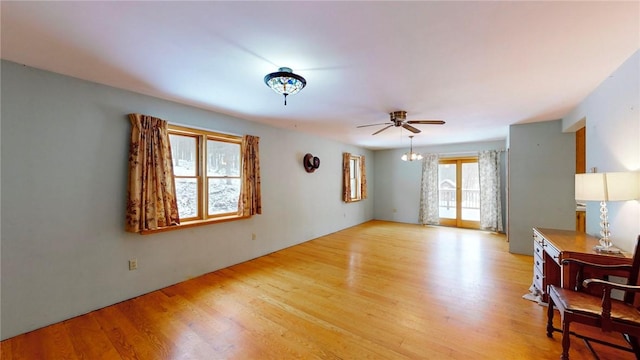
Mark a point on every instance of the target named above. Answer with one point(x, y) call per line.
point(550, 318)
point(566, 340)
point(634, 345)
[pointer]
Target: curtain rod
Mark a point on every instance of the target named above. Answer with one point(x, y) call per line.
point(458, 153)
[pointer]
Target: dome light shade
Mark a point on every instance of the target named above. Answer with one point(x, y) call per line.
point(411, 156)
point(285, 82)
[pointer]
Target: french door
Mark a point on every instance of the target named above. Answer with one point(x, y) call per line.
point(459, 192)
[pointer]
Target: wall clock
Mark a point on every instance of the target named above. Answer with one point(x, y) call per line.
point(310, 163)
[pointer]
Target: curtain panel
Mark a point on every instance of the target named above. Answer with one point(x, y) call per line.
point(346, 177)
point(490, 204)
point(151, 192)
point(429, 194)
point(250, 200)
point(363, 178)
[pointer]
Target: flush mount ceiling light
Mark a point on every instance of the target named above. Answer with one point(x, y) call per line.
point(285, 82)
point(411, 156)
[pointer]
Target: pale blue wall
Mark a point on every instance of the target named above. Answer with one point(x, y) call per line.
point(611, 114)
point(397, 192)
point(64, 173)
point(541, 172)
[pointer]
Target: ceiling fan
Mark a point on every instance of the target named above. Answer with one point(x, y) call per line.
point(399, 118)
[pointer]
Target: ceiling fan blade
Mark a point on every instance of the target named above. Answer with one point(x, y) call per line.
point(361, 126)
point(426, 122)
point(381, 130)
point(410, 128)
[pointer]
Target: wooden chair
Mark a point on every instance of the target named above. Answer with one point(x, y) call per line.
point(590, 303)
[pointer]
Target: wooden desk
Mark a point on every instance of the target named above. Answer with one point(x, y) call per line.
point(551, 246)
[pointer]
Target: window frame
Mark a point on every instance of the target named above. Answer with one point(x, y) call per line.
point(202, 137)
point(458, 221)
point(356, 161)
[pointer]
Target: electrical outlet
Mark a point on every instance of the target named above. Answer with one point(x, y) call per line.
point(133, 264)
point(253, 236)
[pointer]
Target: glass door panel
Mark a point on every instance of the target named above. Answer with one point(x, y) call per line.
point(470, 192)
point(447, 185)
point(459, 193)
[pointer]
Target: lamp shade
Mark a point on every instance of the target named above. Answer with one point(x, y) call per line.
point(591, 187)
point(411, 156)
point(616, 186)
point(285, 82)
point(622, 186)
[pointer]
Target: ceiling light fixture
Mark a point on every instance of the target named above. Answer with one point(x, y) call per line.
point(285, 82)
point(411, 156)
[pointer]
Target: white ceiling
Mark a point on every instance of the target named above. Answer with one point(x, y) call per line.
point(480, 66)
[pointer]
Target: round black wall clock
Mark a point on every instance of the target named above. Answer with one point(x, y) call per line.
point(310, 163)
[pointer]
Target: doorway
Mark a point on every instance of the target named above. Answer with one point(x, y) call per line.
point(459, 192)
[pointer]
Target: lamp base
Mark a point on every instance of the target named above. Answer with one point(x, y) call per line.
point(604, 226)
point(607, 250)
point(605, 243)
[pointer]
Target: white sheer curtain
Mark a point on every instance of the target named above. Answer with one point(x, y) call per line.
point(490, 205)
point(429, 191)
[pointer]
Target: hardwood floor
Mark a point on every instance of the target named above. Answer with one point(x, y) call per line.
point(379, 290)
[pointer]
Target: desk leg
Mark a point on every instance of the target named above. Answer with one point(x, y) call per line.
point(552, 274)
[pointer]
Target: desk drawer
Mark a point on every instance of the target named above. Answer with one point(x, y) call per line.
point(538, 263)
point(552, 252)
point(537, 280)
point(537, 248)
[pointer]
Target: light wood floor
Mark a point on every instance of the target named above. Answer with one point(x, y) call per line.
point(375, 291)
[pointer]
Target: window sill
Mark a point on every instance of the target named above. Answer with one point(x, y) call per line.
point(190, 224)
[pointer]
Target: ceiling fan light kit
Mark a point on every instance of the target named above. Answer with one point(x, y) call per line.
point(411, 156)
point(285, 82)
point(399, 119)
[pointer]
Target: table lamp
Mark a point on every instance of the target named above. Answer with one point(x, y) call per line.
point(603, 187)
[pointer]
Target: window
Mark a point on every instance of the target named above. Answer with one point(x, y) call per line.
point(459, 192)
point(207, 173)
point(354, 178)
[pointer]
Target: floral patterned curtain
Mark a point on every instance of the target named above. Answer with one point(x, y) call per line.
point(490, 204)
point(151, 194)
point(429, 198)
point(346, 177)
point(250, 201)
point(363, 178)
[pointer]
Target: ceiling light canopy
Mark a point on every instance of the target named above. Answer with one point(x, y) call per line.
point(411, 156)
point(285, 82)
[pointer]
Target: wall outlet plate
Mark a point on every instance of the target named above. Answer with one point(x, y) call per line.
point(133, 264)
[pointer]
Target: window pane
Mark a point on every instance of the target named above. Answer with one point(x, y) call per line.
point(447, 188)
point(184, 153)
point(470, 192)
point(223, 195)
point(223, 158)
point(187, 196)
point(354, 178)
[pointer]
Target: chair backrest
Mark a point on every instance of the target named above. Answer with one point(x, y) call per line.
point(629, 296)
